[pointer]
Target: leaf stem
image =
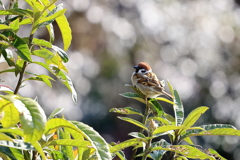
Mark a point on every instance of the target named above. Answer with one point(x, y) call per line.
point(146, 114)
point(23, 68)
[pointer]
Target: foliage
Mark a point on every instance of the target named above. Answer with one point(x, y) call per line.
point(25, 131)
point(177, 128)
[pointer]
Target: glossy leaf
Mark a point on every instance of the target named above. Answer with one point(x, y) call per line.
point(5, 137)
point(178, 108)
point(125, 144)
point(70, 142)
point(158, 154)
point(14, 25)
point(99, 144)
point(65, 149)
point(165, 100)
point(41, 42)
point(162, 129)
point(21, 46)
point(17, 153)
point(55, 112)
point(11, 116)
point(6, 89)
point(192, 118)
point(65, 30)
point(12, 130)
point(6, 154)
point(121, 155)
point(139, 124)
point(212, 129)
point(19, 144)
point(140, 94)
point(39, 149)
point(51, 32)
point(126, 110)
point(43, 53)
point(32, 117)
point(8, 56)
point(61, 53)
point(44, 78)
point(215, 154)
point(3, 26)
point(133, 96)
point(161, 120)
point(17, 11)
point(137, 135)
point(64, 78)
point(185, 150)
point(156, 108)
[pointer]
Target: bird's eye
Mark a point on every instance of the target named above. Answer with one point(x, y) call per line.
point(143, 71)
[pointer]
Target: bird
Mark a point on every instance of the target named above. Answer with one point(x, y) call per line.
point(144, 79)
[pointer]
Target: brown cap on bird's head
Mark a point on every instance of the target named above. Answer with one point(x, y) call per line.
point(143, 65)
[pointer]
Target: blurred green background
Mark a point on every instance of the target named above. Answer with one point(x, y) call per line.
point(193, 44)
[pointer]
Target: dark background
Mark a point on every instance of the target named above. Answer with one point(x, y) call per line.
point(193, 44)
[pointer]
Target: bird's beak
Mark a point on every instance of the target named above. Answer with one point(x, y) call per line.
point(137, 68)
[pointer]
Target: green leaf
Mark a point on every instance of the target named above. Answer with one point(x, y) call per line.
point(3, 26)
point(126, 110)
point(12, 130)
point(43, 78)
point(215, 154)
point(161, 120)
point(17, 11)
point(66, 150)
point(41, 42)
point(139, 124)
point(32, 116)
point(8, 70)
point(8, 56)
point(192, 118)
point(19, 144)
point(39, 149)
point(61, 53)
point(17, 153)
point(212, 129)
point(53, 16)
point(70, 142)
point(43, 53)
point(5, 137)
point(10, 116)
point(140, 94)
point(65, 30)
point(121, 155)
point(137, 135)
point(100, 145)
point(61, 76)
point(165, 100)
point(51, 32)
point(178, 108)
point(21, 46)
point(185, 150)
point(55, 112)
point(158, 154)
point(125, 144)
point(133, 96)
point(15, 25)
point(6, 154)
point(156, 108)
point(162, 129)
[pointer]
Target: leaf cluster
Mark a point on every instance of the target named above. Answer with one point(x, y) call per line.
point(157, 123)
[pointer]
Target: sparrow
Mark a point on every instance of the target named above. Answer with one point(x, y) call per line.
point(147, 82)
